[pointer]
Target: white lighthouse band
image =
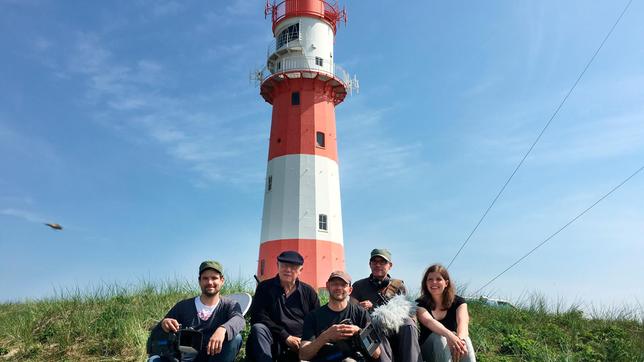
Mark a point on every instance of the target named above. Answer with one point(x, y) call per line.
point(302, 199)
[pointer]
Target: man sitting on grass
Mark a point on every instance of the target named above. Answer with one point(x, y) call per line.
point(377, 290)
point(328, 330)
point(278, 310)
point(218, 318)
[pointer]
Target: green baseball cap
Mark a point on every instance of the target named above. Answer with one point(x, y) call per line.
point(211, 264)
point(383, 253)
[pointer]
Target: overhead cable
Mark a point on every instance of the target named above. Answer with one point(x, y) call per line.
point(543, 130)
point(560, 229)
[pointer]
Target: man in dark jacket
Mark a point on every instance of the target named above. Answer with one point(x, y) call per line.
point(277, 312)
point(218, 318)
point(376, 290)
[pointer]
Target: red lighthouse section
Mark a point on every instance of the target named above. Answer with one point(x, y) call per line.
point(319, 9)
point(303, 119)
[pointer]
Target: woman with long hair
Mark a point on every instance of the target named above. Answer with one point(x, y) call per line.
point(443, 318)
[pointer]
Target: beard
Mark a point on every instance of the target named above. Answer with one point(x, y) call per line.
point(210, 293)
point(339, 298)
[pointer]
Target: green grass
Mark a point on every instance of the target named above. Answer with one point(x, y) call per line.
point(534, 333)
point(111, 323)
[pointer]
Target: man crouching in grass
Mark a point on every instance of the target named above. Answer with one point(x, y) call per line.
point(219, 319)
point(328, 329)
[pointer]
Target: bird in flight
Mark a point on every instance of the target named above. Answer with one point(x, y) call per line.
point(54, 226)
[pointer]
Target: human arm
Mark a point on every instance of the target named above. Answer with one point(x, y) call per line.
point(453, 341)
point(172, 321)
point(337, 332)
point(359, 297)
point(462, 321)
point(366, 304)
point(310, 302)
point(216, 341)
point(294, 342)
point(169, 325)
point(236, 322)
point(376, 353)
point(260, 310)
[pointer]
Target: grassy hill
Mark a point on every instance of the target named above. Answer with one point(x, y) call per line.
point(111, 323)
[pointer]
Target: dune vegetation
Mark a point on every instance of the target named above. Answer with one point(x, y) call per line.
point(112, 323)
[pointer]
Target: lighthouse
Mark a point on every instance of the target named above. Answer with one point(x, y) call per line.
point(301, 81)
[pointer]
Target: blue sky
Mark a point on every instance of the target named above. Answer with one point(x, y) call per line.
point(135, 126)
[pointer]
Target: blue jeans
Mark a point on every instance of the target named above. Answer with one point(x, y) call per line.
point(229, 351)
point(435, 349)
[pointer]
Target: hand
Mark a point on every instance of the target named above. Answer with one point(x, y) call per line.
point(170, 325)
point(293, 342)
point(457, 346)
point(376, 353)
point(366, 304)
point(339, 332)
point(216, 341)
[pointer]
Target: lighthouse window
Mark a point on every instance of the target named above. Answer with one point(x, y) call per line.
point(295, 98)
point(289, 34)
point(322, 224)
point(319, 139)
point(262, 264)
point(319, 61)
point(269, 183)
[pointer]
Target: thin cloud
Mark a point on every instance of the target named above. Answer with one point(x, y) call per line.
point(214, 146)
point(368, 153)
point(608, 137)
point(243, 7)
point(571, 142)
point(166, 8)
point(27, 147)
point(24, 215)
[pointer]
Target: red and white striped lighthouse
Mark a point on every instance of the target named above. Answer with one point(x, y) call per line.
point(302, 195)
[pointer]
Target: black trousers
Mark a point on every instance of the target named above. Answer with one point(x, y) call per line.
point(263, 347)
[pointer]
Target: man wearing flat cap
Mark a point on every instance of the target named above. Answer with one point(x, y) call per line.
point(277, 312)
point(218, 318)
point(376, 290)
point(328, 330)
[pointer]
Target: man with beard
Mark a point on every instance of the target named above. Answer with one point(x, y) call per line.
point(277, 312)
point(331, 326)
point(377, 290)
point(219, 319)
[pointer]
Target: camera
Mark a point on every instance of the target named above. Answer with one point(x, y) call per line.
point(361, 345)
point(169, 346)
point(189, 340)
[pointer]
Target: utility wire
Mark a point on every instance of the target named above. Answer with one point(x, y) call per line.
point(540, 134)
point(560, 229)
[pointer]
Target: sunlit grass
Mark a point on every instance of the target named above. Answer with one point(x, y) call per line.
point(112, 322)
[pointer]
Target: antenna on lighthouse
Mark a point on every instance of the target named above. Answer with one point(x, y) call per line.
point(256, 76)
point(354, 85)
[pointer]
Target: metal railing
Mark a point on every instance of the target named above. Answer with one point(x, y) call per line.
point(329, 10)
point(308, 64)
point(293, 42)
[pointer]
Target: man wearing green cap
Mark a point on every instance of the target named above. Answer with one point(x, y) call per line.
point(218, 318)
point(376, 290)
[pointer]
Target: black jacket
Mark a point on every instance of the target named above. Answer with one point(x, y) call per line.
point(264, 308)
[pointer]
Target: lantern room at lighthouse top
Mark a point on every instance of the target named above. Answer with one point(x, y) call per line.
point(304, 33)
